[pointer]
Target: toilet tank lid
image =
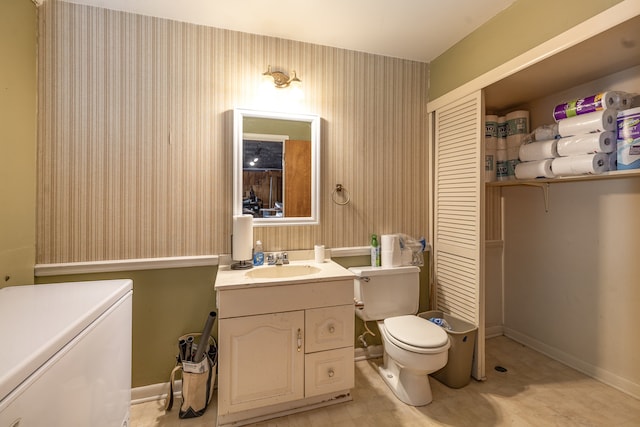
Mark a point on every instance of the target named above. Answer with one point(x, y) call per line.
point(383, 271)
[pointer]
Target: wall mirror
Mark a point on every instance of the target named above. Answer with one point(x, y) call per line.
point(276, 165)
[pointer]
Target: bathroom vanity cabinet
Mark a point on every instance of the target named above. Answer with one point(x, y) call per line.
point(567, 241)
point(283, 348)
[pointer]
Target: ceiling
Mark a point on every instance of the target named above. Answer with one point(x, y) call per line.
point(418, 30)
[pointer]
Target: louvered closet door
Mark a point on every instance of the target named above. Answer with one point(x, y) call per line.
point(458, 222)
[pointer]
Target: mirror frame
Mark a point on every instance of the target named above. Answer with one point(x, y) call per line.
point(238, 136)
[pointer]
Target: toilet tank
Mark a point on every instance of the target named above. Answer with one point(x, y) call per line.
point(386, 292)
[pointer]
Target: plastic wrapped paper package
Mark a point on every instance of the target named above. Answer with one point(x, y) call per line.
point(628, 144)
point(599, 101)
point(598, 121)
point(538, 150)
point(583, 164)
point(535, 169)
point(597, 142)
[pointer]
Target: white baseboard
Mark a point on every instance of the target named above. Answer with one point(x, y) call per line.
point(370, 352)
point(159, 391)
point(595, 372)
point(493, 331)
point(151, 392)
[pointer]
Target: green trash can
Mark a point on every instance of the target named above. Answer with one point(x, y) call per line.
point(462, 335)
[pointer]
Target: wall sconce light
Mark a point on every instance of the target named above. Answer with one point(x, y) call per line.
point(280, 79)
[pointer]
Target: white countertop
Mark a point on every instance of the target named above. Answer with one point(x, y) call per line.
point(329, 271)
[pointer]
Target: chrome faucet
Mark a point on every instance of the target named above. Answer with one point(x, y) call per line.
point(278, 258)
point(271, 259)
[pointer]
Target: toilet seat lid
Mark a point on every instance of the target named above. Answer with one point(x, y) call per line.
point(416, 331)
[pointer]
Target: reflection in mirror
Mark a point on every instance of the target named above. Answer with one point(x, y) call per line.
point(276, 167)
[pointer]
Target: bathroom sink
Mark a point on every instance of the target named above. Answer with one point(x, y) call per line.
point(282, 271)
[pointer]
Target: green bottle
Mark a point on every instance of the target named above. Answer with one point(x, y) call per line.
point(375, 251)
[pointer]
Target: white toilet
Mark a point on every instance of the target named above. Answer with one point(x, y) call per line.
point(413, 347)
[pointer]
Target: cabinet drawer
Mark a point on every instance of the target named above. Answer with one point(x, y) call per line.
point(329, 327)
point(328, 371)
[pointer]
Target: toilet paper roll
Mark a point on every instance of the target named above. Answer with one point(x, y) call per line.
point(597, 102)
point(598, 121)
point(390, 250)
point(596, 163)
point(538, 150)
point(390, 258)
point(599, 142)
point(389, 243)
point(318, 252)
point(535, 169)
point(242, 238)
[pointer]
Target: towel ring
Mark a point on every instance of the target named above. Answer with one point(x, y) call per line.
point(339, 189)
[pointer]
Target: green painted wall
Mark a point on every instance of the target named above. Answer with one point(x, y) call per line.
point(18, 30)
point(293, 129)
point(168, 303)
point(520, 27)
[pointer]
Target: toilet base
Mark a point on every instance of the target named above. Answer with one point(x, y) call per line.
point(411, 388)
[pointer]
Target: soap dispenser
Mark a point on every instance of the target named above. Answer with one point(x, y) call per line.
point(258, 254)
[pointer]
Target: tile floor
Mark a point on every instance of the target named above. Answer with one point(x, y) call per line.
point(535, 391)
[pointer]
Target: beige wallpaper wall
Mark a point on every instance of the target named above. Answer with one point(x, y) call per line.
point(135, 136)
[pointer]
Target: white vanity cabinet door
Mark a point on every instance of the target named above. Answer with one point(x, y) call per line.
point(328, 328)
point(263, 360)
point(328, 371)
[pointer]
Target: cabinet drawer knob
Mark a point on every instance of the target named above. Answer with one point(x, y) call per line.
point(331, 373)
point(332, 329)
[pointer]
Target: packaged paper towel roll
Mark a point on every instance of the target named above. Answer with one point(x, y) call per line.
point(599, 142)
point(490, 164)
point(502, 133)
point(629, 139)
point(538, 150)
point(491, 131)
point(582, 164)
point(502, 169)
point(242, 238)
point(599, 101)
point(598, 121)
point(517, 123)
point(535, 169)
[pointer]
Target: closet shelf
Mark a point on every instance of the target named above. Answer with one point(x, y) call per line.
point(607, 175)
